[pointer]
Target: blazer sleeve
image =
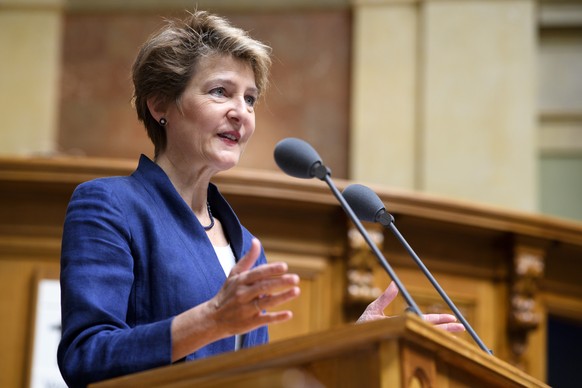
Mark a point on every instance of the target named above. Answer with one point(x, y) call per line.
point(96, 285)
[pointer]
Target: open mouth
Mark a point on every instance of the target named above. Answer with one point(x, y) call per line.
point(231, 136)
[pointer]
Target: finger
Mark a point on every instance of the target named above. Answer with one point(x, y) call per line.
point(248, 260)
point(437, 319)
point(273, 284)
point(274, 300)
point(451, 327)
point(273, 317)
point(264, 272)
point(385, 298)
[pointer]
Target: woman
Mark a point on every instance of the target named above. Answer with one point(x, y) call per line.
point(155, 267)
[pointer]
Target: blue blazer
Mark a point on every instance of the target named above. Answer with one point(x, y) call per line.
point(134, 256)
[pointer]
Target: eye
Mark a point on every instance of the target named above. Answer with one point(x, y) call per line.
point(218, 92)
point(250, 100)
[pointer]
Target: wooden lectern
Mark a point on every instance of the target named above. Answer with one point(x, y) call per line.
point(397, 352)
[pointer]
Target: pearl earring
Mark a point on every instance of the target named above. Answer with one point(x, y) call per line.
point(163, 121)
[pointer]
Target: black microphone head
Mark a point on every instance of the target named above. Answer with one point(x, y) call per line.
point(364, 202)
point(296, 157)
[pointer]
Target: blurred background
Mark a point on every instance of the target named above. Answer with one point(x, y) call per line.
point(479, 100)
point(476, 100)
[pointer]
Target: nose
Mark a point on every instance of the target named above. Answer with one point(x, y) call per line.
point(239, 109)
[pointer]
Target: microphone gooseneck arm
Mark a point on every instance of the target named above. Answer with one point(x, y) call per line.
point(438, 288)
point(411, 304)
point(369, 207)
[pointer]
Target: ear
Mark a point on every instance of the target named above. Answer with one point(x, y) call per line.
point(157, 108)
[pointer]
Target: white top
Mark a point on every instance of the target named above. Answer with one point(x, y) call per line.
point(227, 261)
point(225, 257)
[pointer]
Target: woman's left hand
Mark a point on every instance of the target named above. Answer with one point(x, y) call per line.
point(375, 311)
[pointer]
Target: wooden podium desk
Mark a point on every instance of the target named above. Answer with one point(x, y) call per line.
point(398, 352)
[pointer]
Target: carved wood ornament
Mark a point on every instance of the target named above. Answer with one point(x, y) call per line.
point(360, 288)
point(524, 316)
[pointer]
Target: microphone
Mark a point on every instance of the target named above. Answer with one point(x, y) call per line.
point(297, 158)
point(369, 207)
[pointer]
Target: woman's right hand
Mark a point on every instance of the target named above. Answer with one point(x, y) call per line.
point(240, 305)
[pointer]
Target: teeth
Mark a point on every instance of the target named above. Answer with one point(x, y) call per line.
point(230, 137)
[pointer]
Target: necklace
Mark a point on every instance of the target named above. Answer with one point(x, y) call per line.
point(207, 228)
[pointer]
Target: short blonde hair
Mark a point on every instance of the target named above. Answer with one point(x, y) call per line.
point(167, 61)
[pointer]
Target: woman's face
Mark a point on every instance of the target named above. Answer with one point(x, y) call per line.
point(217, 116)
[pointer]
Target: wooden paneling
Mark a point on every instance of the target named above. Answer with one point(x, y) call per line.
point(476, 253)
